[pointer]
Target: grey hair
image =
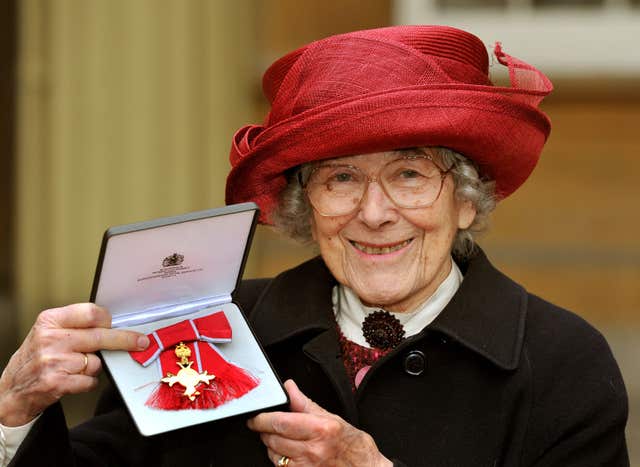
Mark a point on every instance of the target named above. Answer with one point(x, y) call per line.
point(292, 215)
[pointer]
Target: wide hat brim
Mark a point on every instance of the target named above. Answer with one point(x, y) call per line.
point(497, 127)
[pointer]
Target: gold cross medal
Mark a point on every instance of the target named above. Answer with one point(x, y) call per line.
point(187, 377)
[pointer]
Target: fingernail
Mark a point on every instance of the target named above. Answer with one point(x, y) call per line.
point(143, 342)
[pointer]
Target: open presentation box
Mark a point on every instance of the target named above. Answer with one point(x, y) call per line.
point(154, 274)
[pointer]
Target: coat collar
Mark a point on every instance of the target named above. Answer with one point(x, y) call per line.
point(297, 301)
point(486, 315)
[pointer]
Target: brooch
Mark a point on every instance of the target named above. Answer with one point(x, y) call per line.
point(382, 330)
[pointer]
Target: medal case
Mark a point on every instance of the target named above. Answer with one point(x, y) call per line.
point(155, 274)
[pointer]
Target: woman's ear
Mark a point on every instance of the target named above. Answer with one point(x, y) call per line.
point(466, 214)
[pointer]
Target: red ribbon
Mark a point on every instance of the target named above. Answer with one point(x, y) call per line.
point(200, 334)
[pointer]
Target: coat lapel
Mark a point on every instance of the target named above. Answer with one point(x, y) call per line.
point(487, 314)
point(325, 351)
point(299, 301)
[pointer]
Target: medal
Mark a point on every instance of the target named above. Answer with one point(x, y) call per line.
point(187, 377)
point(207, 381)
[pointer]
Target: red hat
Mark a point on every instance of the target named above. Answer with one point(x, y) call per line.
point(391, 88)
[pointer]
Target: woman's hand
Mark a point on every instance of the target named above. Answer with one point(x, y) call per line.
point(311, 436)
point(56, 358)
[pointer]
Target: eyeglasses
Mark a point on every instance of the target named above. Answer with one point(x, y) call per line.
point(412, 181)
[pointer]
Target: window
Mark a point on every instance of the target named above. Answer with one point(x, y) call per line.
point(562, 37)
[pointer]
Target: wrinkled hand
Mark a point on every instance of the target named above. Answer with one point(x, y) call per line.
point(311, 436)
point(51, 361)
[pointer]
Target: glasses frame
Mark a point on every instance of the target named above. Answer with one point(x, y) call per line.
point(443, 175)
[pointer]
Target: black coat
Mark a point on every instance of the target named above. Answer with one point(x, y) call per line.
point(500, 378)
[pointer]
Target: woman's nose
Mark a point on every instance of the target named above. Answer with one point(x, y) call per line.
point(376, 208)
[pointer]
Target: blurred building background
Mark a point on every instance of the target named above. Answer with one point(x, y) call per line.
point(116, 111)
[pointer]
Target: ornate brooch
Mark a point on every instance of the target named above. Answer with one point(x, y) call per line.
point(382, 330)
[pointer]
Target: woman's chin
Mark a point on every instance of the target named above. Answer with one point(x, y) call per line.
point(380, 288)
point(381, 294)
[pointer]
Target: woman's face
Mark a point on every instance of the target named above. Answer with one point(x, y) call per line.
point(391, 257)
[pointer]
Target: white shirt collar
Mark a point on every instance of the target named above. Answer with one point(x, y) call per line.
point(350, 312)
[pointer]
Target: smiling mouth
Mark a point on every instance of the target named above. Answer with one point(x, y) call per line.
point(380, 250)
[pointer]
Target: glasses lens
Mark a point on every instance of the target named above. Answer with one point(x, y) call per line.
point(412, 182)
point(335, 190)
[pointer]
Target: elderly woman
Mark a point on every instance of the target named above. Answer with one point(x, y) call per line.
point(401, 344)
